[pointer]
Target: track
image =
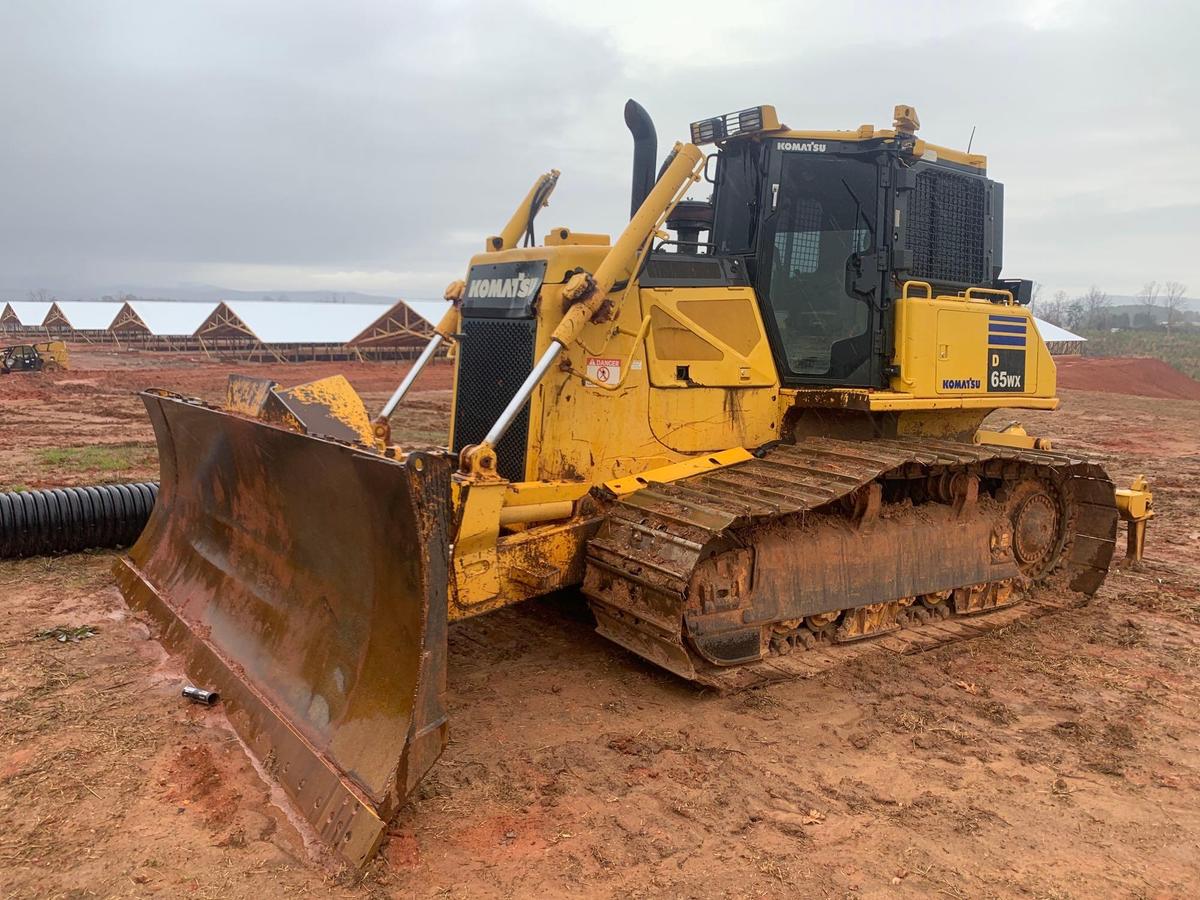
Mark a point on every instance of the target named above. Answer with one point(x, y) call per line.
point(920, 638)
point(820, 544)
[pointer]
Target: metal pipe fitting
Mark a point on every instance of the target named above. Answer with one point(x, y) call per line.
point(201, 696)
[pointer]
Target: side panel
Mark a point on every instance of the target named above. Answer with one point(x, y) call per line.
point(710, 337)
point(1009, 365)
point(950, 348)
point(679, 371)
point(703, 420)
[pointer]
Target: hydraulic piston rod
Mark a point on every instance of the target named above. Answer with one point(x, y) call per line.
point(522, 396)
point(398, 395)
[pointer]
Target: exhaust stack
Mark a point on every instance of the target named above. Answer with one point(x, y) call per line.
point(645, 151)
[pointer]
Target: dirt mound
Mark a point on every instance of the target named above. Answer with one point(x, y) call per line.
point(1138, 375)
point(194, 780)
point(27, 386)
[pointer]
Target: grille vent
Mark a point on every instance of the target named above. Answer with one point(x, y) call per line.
point(947, 228)
point(496, 355)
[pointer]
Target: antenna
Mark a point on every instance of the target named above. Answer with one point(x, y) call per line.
point(972, 140)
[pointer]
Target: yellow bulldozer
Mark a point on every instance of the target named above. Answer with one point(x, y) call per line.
point(750, 429)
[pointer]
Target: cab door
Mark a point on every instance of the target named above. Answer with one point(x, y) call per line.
point(818, 271)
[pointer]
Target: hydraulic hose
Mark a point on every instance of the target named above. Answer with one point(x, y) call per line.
point(65, 520)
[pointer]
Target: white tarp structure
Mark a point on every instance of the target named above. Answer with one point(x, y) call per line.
point(429, 310)
point(30, 312)
point(170, 317)
point(88, 316)
point(276, 322)
point(258, 328)
point(1052, 334)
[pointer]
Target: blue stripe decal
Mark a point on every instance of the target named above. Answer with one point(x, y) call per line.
point(1005, 341)
point(996, 328)
point(995, 318)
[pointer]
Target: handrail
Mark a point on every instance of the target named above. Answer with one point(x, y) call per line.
point(903, 327)
point(925, 284)
point(1006, 296)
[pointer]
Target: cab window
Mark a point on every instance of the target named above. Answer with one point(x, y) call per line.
point(823, 224)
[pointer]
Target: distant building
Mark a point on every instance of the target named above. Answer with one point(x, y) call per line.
point(1059, 341)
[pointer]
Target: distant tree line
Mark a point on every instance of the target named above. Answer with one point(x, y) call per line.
point(1094, 309)
point(41, 295)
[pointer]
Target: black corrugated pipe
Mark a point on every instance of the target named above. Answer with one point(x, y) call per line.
point(645, 150)
point(63, 520)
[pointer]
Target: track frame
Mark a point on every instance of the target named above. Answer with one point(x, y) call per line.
point(683, 573)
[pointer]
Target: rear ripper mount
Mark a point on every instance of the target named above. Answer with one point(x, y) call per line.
point(705, 574)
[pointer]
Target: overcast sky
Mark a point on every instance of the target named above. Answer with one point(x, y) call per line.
point(372, 146)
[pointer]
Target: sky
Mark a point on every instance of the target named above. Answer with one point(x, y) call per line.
point(372, 146)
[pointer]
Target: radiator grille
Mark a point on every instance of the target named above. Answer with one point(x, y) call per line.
point(495, 357)
point(946, 228)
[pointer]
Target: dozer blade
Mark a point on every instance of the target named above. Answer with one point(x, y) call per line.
point(304, 580)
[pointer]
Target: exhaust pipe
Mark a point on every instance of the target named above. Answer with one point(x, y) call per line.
point(645, 151)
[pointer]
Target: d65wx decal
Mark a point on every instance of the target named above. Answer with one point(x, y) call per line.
point(1006, 371)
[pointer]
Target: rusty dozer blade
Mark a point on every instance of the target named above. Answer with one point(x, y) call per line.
point(305, 580)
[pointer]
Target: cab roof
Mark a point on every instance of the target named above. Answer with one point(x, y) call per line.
point(760, 122)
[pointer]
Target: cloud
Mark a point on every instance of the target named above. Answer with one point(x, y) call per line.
point(373, 146)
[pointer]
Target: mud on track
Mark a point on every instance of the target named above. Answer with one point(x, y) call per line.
point(1054, 759)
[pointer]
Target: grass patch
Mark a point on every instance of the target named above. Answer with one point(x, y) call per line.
point(15, 488)
point(1179, 348)
point(102, 457)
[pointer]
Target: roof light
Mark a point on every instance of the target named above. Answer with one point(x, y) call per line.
point(735, 124)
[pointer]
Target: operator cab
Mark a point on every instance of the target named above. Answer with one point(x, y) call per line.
point(827, 226)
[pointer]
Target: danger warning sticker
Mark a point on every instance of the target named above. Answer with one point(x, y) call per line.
point(605, 371)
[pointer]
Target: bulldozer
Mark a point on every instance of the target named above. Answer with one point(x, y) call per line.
point(48, 356)
point(750, 430)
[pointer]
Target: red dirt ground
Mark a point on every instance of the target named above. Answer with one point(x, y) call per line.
point(94, 405)
point(1140, 376)
point(1054, 760)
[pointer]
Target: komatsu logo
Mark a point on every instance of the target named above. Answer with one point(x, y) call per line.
point(519, 286)
point(802, 146)
point(961, 384)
